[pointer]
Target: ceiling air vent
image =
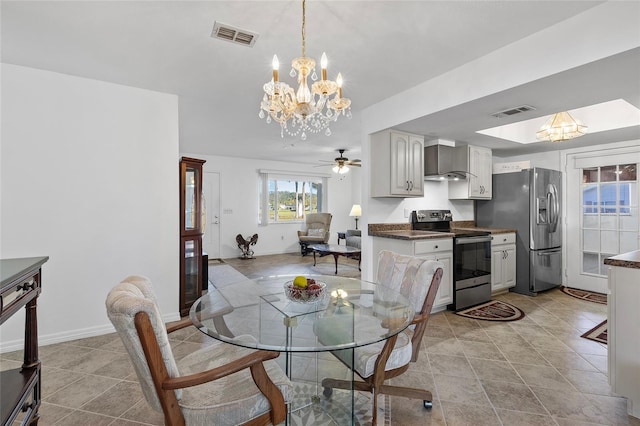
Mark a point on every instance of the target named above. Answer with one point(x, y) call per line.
point(233, 34)
point(512, 111)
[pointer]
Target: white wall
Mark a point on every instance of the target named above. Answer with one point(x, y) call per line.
point(89, 177)
point(547, 160)
point(239, 198)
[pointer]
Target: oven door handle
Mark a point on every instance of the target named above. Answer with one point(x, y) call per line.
point(472, 240)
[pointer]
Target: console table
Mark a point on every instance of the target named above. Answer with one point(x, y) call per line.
point(20, 286)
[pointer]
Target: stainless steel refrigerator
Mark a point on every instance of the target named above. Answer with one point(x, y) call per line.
point(529, 201)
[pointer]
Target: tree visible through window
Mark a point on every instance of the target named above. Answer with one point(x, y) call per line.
point(290, 198)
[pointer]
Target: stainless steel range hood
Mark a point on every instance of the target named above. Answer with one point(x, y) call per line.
point(443, 162)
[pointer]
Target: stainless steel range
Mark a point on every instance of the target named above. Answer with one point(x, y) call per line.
point(471, 257)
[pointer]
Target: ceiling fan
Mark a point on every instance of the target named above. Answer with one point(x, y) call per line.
point(342, 163)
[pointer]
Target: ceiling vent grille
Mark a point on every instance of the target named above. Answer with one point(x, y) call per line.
point(512, 111)
point(233, 34)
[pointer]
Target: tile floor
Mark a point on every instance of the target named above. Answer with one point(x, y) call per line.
point(536, 371)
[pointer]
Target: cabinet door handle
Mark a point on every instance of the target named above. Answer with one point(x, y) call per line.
point(407, 185)
point(411, 182)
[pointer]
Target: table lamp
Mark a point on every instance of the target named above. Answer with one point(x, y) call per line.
point(356, 211)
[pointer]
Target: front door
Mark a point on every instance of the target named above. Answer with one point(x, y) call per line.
point(211, 195)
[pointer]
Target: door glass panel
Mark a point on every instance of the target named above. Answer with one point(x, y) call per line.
point(629, 219)
point(590, 175)
point(609, 241)
point(590, 263)
point(610, 219)
point(608, 174)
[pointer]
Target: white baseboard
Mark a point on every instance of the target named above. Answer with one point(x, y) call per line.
point(67, 336)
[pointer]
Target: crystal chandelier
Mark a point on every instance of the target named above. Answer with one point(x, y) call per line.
point(305, 110)
point(561, 127)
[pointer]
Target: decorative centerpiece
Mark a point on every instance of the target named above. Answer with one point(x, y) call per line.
point(304, 290)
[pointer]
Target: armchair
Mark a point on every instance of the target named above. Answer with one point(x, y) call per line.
point(418, 280)
point(353, 238)
point(316, 230)
point(220, 384)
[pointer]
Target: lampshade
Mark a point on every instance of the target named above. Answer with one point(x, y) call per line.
point(356, 210)
point(561, 127)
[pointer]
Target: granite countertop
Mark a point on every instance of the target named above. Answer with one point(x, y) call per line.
point(403, 231)
point(625, 260)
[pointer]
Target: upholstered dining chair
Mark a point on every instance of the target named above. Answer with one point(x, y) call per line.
point(316, 230)
point(417, 279)
point(220, 384)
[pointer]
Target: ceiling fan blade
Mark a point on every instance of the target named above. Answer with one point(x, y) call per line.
point(354, 164)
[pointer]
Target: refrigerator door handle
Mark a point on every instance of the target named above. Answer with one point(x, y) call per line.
point(554, 207)
point(548, 252)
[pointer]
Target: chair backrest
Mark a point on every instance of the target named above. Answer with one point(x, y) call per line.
point(133, 295)
point(416, 278)
point(319, 221)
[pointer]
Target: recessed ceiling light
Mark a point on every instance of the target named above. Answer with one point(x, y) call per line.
point(610, 115)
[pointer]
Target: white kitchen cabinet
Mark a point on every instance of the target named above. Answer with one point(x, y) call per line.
point(440, 249)
point(397, 164)
point(623, 331)
point(477, 186)
point(503, 261)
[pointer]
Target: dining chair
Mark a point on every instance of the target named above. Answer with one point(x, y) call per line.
point(417, 279)
point(220, 384)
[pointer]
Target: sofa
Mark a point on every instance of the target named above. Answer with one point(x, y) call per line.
point(353, 238)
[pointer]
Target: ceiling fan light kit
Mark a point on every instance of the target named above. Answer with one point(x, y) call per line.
point(561, 127)
point(306, 109)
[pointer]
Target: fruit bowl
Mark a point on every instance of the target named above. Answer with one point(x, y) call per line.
point(314, 291)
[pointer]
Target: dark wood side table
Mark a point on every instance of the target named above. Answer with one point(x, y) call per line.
point(342, 236)
point(20, 388)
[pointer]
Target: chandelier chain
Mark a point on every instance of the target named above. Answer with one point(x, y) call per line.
point(304, 22)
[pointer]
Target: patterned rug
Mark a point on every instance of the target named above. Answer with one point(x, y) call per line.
point(337, 409)
point(585, 295)
point(223, 274)
point(495, 310)
point(598, 333)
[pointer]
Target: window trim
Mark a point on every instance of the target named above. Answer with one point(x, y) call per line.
point(267, 175)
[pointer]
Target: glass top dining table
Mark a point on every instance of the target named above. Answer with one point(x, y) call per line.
point(257, 314)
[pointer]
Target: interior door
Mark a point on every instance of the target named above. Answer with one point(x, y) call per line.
point(603, 217)
point(211, 193)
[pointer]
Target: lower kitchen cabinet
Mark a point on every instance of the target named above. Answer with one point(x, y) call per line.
point(503, 262)
point(440, 249)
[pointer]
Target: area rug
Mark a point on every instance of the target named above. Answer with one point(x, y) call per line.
point(337, 409)
point(222, 274)
point(585, 295)
point(495, 310)
point(598, 333)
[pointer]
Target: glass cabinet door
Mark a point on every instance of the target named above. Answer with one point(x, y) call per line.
point(191, 260)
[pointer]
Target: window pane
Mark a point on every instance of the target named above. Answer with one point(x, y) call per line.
point(629, 219)
point(628, 241)
point(604, 268)
point(609, 241)
point(590, 221)
point(590, 263)
point(627, 172)
point(590, 240)
point(608, 198)
point(590, 198)
point(608, 221)
point(590, 175)
point(608, 174)
point(629, 194)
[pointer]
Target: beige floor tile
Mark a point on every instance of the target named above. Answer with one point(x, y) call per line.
point(84, 418)
point(405, 411)
point(450, 365)
point(485, 350)
point(142, 412)
point(50, 414)
point(54, 379)
point(543, 377)
point(459, 389)
point(594, 382)
point(439, 345)
point(512, 396)
point(566, 360)
point(518, 418)
point(570, 405)
point(115, 400)
point(598, 361)
point(96, 341)
point(487, 369)
point(78, 393)
point(521, 353)
point(466, 414)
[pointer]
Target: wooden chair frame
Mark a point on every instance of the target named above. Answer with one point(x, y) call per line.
point(166, 385)
point(375, 382)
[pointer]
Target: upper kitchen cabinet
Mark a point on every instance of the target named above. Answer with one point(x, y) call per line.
point(397, 164)
point(477, 186)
